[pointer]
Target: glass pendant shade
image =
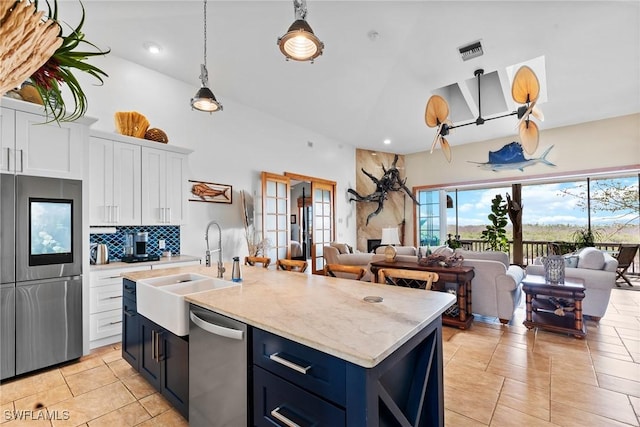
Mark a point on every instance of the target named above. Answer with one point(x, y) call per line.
point(205, 100)
point(300, 43)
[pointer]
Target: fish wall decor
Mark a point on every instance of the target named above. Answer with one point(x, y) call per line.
point(511, 156)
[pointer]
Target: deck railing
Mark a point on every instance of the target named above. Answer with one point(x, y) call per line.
point(531, 249)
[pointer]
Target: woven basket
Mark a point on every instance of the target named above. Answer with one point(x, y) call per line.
point(157, 135)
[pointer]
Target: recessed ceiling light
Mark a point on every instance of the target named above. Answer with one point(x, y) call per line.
point(152, 48)
point(387, 141)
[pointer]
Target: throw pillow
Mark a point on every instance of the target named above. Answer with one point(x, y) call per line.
point(341, 247)
point(571, 261)
point(349, 248)
point(591, 258)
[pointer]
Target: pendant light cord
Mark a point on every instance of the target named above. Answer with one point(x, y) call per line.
point(205, 33)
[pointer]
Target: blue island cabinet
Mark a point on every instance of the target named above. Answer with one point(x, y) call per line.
point(297, 385)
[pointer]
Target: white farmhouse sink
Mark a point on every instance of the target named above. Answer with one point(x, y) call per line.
point(161, 299)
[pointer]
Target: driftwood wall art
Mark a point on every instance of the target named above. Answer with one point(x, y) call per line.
point(388, 182)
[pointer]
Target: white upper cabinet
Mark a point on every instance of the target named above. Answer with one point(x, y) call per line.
point(164, 196)
point(134, 183)
point(114, 174)
point(32, 147)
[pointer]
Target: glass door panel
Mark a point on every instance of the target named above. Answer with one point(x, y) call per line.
point(323, 222)
point(275, 214)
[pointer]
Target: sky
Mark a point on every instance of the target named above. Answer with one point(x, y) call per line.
point(544, 204)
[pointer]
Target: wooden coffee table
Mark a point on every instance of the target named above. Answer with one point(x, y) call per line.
point(540, 308)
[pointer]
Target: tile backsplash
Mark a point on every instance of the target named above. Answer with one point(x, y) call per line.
point(115, 241)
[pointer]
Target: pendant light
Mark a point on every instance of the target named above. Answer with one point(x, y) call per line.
point(300, 43)
point(205, 100)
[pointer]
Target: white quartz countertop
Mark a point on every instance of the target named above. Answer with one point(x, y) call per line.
point(325, 313)
point(162, 260)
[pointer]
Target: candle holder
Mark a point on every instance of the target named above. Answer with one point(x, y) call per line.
point(553, 269)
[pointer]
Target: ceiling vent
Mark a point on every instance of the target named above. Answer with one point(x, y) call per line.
point(471, 51)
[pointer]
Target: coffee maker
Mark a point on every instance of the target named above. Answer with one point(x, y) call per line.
point(140, 240)
point(136, 248)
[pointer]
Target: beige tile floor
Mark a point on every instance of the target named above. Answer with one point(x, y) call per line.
point(494, 375)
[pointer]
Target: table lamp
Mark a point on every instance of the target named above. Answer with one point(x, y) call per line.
point(390, 237)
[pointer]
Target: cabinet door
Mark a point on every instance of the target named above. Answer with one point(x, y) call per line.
point(131, 341)
point(163, 187)
point(7, 140)
point(149, 350)
point(53, 149)
point(175, 371)
point(176, 198)
point(101, 182)
point(153, 186)
point(127, 184)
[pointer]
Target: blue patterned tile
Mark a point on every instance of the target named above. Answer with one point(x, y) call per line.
point(115, 241)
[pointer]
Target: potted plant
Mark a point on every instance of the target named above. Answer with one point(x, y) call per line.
point(59, 70)
point(495, 234)
point(585, 237)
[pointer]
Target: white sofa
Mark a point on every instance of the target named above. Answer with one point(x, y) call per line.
point(598, 271)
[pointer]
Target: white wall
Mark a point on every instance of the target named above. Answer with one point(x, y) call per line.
point(230, 147)
point(604, 145)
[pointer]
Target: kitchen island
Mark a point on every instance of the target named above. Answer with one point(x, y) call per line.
point(383, 359)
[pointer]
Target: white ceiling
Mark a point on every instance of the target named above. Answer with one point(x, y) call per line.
point(361, 91)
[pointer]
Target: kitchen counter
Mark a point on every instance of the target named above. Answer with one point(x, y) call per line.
point(157, 264)
point(324, 313)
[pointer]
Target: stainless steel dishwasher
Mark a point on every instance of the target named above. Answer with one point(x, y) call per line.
point(217, 370)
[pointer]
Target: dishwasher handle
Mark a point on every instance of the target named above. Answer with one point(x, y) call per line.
point(216, 329)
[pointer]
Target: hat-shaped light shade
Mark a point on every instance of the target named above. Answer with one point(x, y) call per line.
point(300, 43)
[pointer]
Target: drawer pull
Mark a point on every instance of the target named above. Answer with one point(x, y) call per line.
point(129, 313)
point(286, 421)
point(115, 323)
point(116, 297)
point(302, 369)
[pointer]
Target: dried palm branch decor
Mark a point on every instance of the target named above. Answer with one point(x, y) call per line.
point(51, 61)
point(26, 42)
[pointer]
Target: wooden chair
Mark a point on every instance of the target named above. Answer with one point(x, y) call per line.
point(626, 255)
point(349, 270)
point(407, 278)
point(291, 265)
point(253, 260)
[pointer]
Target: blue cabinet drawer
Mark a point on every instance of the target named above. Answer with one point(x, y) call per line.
point(306, 367)
point(278, 402)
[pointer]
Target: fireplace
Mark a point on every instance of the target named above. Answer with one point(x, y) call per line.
point(372, 244)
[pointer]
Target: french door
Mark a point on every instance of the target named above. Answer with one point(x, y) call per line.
point(276, 210)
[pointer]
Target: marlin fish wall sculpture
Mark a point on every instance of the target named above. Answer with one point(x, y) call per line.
point(511, 156)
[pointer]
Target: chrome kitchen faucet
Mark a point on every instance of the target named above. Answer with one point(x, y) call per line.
point(219, 250)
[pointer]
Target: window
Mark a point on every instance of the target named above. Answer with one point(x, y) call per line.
point(429, 218)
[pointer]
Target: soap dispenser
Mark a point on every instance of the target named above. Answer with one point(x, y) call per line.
point(236, 274)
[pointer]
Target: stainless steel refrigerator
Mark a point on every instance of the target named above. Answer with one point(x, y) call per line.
point(40, 272)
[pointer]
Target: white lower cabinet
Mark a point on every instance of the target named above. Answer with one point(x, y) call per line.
point(105, 305)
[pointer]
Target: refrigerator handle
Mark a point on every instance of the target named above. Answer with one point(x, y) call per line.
point(216, 329)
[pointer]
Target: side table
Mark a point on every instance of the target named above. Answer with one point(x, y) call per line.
point(540, 309)
point(461, 276)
